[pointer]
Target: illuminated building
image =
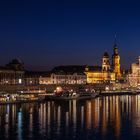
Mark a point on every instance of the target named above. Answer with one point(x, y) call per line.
point(37, 77)
point(116, 62)
point(58, 75)
point(134, 76)
point(75, 78)
point(105, 62)
point(75, 74)
point(32, 77)
point(100, 74)
point(12, 73)
point(45, 79)
point(106, 72)
point(68, 75)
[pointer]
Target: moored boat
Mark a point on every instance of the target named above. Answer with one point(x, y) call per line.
point(61, 94)
point(64, 96)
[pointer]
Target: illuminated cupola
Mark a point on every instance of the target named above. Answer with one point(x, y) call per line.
point(105, 62)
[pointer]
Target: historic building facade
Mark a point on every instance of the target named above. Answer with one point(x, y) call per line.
point(73, 78)
point(46, 79)
point(100, 74)
point(106, 73)
point(71, 74)
point(134, 76)
point(12, 73)
point(116, 63)
point(31, 77)
point(68, 75)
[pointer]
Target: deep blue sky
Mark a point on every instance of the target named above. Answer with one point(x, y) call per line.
point(47, 33)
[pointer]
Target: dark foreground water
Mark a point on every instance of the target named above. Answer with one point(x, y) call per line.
point(104, 118)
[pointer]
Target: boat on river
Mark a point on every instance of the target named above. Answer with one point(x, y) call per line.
point(61, 94)
point(64, 96)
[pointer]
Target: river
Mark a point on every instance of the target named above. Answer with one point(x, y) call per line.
point(103, 118)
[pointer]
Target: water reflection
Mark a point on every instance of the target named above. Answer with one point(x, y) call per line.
point(111, 117)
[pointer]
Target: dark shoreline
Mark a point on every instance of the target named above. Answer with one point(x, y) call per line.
point(45, 100)
point(20, 102)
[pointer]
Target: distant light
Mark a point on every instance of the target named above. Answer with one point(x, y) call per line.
point(20, 81)
point(107, 88)
point(59, 89)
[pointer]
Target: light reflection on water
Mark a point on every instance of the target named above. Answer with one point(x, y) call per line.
point(111, 117)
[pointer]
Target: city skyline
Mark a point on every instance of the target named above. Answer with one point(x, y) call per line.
point(44, 34)
point(70, 69)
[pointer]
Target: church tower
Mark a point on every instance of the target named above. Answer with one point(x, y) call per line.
point(116, 62)
point(105, 62)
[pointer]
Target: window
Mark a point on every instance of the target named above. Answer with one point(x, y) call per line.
point(20, 81)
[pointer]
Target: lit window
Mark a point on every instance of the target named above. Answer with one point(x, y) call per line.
point(20, 81)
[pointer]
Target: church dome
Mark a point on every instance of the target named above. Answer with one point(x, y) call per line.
point(15, 64)
point(16, 61)
point(106, 54)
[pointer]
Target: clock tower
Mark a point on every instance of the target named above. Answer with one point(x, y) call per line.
point(116, 62)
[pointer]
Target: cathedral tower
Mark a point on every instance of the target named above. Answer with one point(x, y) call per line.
point(105, 62)
point(116, 62)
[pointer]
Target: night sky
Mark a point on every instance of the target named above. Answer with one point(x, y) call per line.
point(48, 33)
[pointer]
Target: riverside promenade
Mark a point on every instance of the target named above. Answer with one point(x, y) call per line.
point(49, 88)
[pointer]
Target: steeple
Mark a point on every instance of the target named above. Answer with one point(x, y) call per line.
point(115, 40)
point(105, 62)
point(115, 46)
point(116, 60)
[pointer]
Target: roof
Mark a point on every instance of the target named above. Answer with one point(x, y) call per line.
point(8, 69)
point(94, 68)
point(37, 73)
point(16, 61)
point(106, 54)
point(69, 69)
point(4, 68)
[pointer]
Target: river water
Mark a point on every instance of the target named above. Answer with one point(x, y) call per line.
point(103, 118)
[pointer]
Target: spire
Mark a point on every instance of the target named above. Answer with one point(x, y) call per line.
point(115, 40)
point(115, 49)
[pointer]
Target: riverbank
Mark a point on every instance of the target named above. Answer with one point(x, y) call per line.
point(49, 88)
point(116, 93)
point(20, 102)
point(50, 98)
